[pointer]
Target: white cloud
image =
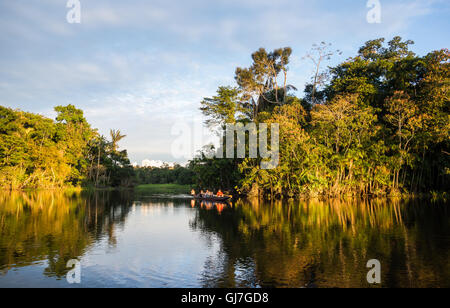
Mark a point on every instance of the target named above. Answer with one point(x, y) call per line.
point(140, 66)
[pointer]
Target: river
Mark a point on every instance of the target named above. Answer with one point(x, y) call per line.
point(121, 239)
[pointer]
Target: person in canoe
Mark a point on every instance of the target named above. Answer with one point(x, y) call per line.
point(209, 195)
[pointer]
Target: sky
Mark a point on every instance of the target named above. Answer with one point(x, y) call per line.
point(142, 66)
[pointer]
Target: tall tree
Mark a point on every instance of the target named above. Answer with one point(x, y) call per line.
point(116, 136)
point(222, 108)
point(259, 82)
point(318, 55)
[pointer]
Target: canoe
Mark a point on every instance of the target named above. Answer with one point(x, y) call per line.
point(212, 198)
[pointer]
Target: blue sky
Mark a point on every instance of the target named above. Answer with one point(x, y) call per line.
point(141, 66)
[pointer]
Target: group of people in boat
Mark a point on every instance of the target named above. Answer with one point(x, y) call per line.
point(207, 194)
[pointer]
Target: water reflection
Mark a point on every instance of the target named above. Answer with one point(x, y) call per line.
point(56, 227)
point(125, 240)
point(328, 243)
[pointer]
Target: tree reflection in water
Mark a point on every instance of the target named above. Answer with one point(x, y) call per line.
point(327, 243)
point(56, 226)
point(249, 243)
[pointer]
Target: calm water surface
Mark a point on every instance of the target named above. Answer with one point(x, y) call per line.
point(124, 240)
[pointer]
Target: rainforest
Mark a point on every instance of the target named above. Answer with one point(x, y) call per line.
point(376, 124)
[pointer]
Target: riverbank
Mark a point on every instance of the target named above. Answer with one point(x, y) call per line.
point(185, 189)
point(146, 188)
point(163, 189)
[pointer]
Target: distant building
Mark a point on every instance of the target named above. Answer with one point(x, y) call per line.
point(156, 163)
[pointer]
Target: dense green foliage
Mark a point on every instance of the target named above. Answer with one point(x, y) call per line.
point(37, 152)
point(149, 189)
point(164, 175)
point(379, 125)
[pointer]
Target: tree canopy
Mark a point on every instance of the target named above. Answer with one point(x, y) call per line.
point(377, 123)
point(37, 152)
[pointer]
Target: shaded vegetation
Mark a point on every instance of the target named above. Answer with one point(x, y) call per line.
point(164, 175)
point(163, 189)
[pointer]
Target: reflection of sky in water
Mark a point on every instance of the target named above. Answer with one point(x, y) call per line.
point(167, 242)
point(154, 248)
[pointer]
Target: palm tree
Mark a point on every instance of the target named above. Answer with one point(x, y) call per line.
point(115, 138)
